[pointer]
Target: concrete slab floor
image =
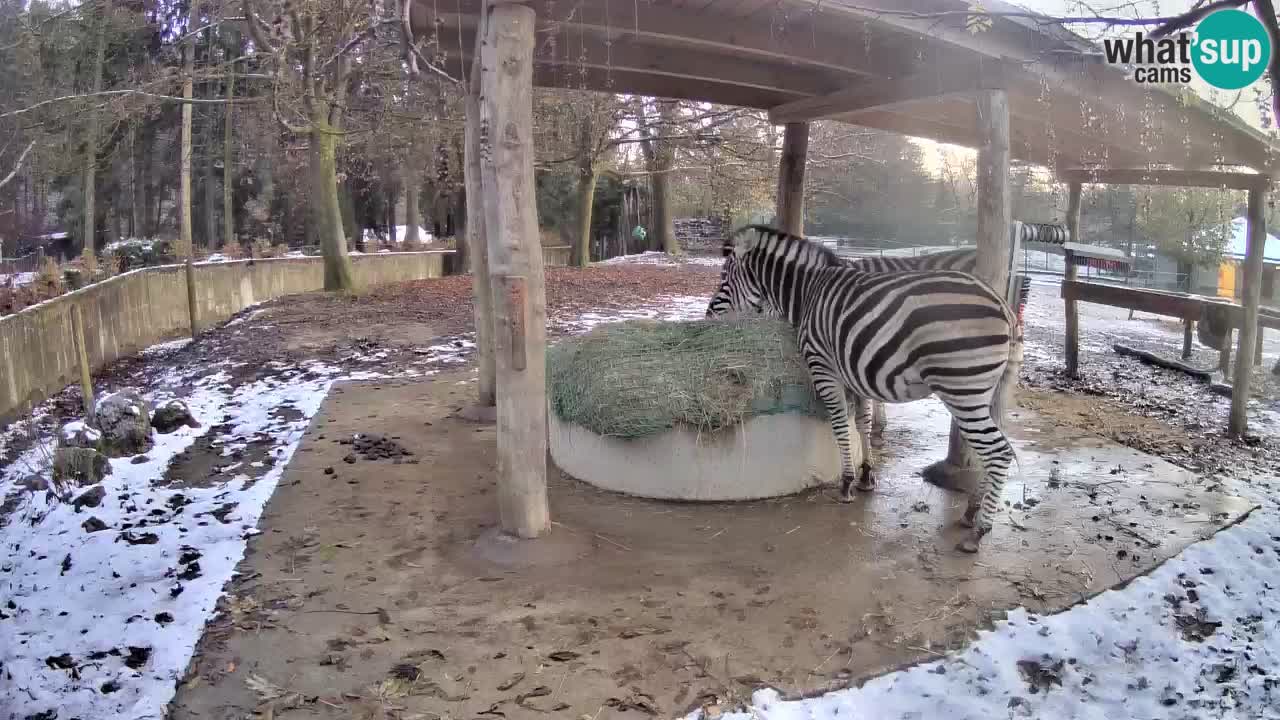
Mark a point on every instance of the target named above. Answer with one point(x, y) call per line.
point(382, 590)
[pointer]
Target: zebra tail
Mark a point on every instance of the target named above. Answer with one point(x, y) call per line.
point(1009, 378)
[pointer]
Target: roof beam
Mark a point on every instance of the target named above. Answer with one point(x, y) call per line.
point(649, 84)
point(931, 83)
point(1106, 90)
point(631, 54)
point(801, 47)
point(1175, 178)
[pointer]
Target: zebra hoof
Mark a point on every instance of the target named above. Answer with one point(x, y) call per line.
point(866, 478)
point(846, 488)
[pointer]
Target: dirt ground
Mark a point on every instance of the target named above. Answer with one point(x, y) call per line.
point(380, 589)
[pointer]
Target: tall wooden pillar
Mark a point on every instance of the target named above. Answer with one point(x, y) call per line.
point(957, 471)
point(515, 266)
point(1072, 339)
point(1238, 423)
point(477, 240)
point(795, 151)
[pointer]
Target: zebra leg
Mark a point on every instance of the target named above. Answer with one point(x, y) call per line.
point(878, 423)
point(993, 450)
point(832, 394)
point(862, 421)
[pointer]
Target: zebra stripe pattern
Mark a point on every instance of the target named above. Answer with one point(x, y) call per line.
point(894, 337)
point(964, 260)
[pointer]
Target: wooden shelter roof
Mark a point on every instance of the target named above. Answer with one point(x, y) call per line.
point(908, 67)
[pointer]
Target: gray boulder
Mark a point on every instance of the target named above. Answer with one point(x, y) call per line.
point(79, 434)
point(79, 466)
point(125, 422)
point(90, 498)
point(171, 416)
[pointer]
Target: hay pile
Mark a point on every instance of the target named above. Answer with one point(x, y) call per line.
point(637, 378)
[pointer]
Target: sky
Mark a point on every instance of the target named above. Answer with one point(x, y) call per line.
point(1246, 108)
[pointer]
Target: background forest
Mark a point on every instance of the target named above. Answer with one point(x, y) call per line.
point(250, 126)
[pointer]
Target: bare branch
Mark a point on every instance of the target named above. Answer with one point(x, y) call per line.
point(1195, 15)
point(132, 91)
point(1267, 14)
point(17, 166)
point(256, 30)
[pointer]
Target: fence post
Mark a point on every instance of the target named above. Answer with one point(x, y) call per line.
point(192, 311)
point(82, 356)
point(1186, 339)
point(1224, 355)
point(1069, 273)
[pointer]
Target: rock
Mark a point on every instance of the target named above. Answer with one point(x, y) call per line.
point(93, 524)
point(171, 416)
point(78, 465)
point(79, 435)
point(90, 498)
point(125, 423)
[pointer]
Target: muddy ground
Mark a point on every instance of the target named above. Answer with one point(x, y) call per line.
point(425, 326)
point(381, 589)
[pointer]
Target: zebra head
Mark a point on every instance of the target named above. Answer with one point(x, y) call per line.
point(739, 292)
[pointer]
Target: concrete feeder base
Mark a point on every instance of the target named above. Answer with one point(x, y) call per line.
point(765, 456)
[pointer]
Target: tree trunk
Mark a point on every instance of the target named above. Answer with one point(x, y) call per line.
point(462, 248)
point(327, 213)
point(1238, 422)
point(790, 202)
point(664, 232)
point(393, 199)
point(185, 246)
point(136, 206)
point(210, 191)
point(89, 222)
point(958, 471)
point(511, 224)
point(482, 293)
point(586, 193)
point(664, 225)
point(228, 160)
point(412, 218)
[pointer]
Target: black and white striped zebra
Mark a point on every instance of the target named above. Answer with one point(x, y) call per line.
point(894, 337)
point(964, 260)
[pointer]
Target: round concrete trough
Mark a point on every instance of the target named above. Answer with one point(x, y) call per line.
point(764, 456)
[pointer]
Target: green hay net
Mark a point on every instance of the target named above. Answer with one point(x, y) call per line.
point(636, 378)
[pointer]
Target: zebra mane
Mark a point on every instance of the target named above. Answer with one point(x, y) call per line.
point(764, 232)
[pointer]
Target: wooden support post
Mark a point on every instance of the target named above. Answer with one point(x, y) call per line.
point(1072, 340)
point(478, 248)
point(957, 471)
point(82, 355)
point(193, 312)
point(1224, 355)
point(1186, 338)
point(1238, 424)
point(515, 263)
point(795, 151)
point(1257, 348)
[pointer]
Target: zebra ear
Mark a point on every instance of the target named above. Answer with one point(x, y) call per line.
point(746, 242)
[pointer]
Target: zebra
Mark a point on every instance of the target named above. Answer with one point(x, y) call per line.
point(894, 337)
point(964, 260)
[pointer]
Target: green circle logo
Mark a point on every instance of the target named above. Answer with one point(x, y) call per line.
point(1232, 49)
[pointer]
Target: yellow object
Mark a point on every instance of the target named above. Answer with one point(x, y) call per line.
point(1227, 280)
